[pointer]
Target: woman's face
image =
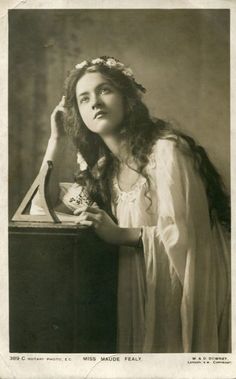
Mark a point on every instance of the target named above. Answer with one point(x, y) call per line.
point(100, 103)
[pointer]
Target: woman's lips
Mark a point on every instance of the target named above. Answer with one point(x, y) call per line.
point(100, 114)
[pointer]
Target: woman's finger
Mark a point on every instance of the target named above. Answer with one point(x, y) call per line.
point(85, 222)
point(62, 102)
point(93, 209)
point(80, 210)
point(61, 105)
point(59, 108)
point(89, 216)
point(93, 223)
point(57, 111)
point(87, 208)
point(95, 219)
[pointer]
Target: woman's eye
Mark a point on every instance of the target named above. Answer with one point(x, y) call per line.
point(105, 90)
point(84, 99)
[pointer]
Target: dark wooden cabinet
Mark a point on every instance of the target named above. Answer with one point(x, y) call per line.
point(62, 290)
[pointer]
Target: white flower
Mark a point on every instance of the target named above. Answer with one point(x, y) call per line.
point(120, 65)
point(81, 65)
point(81, 162)
point(111, 62)
point(127, 71)
point(97, 61)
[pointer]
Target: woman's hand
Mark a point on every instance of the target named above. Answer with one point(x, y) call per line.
point(102, 223)
point(57, 129)
point(105, 227)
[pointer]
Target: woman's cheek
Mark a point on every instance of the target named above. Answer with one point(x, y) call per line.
point(86, 117)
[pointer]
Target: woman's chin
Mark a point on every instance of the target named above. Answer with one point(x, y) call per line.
point(103, 128)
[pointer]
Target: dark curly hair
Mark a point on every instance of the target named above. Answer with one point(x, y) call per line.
point(140, 131)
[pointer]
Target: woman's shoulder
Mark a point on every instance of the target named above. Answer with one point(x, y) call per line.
point(167, 142)
point(170, 144)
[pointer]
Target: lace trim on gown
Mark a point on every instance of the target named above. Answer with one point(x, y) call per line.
point(131, 195)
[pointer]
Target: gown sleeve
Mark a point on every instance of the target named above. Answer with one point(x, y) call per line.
point(196, 254)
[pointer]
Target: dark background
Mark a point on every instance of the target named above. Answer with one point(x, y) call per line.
point(181, 56)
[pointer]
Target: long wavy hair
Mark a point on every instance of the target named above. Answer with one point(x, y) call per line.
point(140, 131)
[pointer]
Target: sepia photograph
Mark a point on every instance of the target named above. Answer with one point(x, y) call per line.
point(141, 183)
point(119, 184)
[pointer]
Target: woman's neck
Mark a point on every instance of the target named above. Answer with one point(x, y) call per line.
point(116, 145)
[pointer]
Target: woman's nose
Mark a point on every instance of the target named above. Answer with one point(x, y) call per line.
point(96, 101)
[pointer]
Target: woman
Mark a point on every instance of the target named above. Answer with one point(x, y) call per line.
point(157, 196)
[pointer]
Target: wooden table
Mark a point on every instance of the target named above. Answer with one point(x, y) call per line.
point(62, 289)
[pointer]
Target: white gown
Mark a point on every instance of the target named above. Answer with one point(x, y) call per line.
point(174, 294)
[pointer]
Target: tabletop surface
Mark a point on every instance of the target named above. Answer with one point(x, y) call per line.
point(17, 227)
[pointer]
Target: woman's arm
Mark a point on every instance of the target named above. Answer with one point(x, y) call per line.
point(54, 153)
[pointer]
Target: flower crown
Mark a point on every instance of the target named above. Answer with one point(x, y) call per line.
point(111, 63)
